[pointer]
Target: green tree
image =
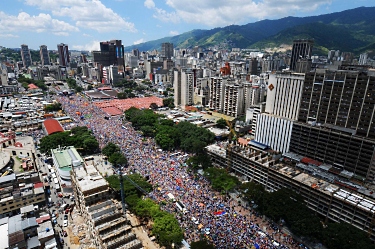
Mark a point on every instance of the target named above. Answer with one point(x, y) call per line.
point(169, 102)
point(109, 149)
point(220, 179)
point(201, 244)
point(345, 236)
point(197, 161)
point(53, 107)
point(129, 188)
point(117, 159)
point(89, 87)
point(221, 123)
point(154, 106)
point(90, 145)
point(167, 230)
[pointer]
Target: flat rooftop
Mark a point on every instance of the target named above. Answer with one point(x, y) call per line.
point(65, 157)
point(89, 178)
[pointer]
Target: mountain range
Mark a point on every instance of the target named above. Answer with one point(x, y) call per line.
point(348, 31)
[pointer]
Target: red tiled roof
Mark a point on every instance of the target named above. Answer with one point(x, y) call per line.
point(113, 111)
point(125, 104)
point(32, 86)
point(38, 185)
point(43, 218)
point(52, 126)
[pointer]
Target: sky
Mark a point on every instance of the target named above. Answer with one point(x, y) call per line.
point(82, 24)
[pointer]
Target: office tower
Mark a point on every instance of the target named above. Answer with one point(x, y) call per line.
point(284, 94)
point(26, 56)
point(337, 122)
point(135, 52)
point(111, 53)
point(301, 49)
point(63, 51)
point(363, 59)
point(44, 55)
point(167, 50)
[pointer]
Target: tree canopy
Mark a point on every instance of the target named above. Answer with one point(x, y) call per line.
point(220, 179)
point(201, 244)
point(109, 149)
point(79, 137)
point(168, 102)
point(117, 159)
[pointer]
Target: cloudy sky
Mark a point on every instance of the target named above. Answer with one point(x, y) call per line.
point(82, 24)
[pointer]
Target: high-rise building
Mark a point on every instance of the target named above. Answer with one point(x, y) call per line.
point(167, 50)
point(111, 53)
point(187, 87)
point(233, 99)
point(216, 85)
point(301, 49)
point(284, 94)
point(63, 51)
point(337, 122)
point(340, 98)
point(44, 55)
point(26, 56)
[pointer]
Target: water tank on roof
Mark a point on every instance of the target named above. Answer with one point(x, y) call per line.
point(76, 163)
point(47, 229)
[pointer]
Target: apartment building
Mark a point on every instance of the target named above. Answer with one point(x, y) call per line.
point(324, 193)
point(187, 87)
point(64, 57)
point(216, 86)
point(301, 49)
point(20, 190)
point(44, 55)
point(106, 222)
point(233, 99)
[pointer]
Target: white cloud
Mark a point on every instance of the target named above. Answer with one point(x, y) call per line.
point(139, 41)
point(8, 36)
point(91, 46)
point(226, 12)
point(90, 14)
point(161, 14)
point(40, 23)
point(149, 4)
point(172, 32)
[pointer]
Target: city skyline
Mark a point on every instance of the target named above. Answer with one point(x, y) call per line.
point(82, 24)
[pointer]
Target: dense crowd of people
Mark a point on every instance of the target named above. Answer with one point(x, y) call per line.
point(219, 218)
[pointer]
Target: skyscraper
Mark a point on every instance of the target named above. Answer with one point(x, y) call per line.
point(111, 53)
point(167, 50)
point(63, 54)
point(301, 49)
point(26, 56)
point(44, 55)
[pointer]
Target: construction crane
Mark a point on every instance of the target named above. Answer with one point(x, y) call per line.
point(232, 131)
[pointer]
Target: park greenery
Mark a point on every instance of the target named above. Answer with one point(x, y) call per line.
point(220, 179)
point(165, 226)
point(115, 157)
point(72, 83)
point(26, 81)
point(221, 123)
point(53, 107)
point(201, 244)
point(286, 207)
point(168, 135)
point(168, 102)
point(80, 137)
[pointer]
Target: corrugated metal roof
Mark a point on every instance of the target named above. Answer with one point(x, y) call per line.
point(52, 126)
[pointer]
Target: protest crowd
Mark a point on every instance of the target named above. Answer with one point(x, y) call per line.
point(219, 218)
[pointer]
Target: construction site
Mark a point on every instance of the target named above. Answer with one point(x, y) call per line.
point(100, 220)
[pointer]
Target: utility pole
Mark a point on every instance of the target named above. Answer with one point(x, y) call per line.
point(122, 190)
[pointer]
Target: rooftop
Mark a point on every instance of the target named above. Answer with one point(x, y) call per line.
point(89, 178)
point(66, 156)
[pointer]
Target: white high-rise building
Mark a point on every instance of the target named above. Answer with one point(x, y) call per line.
point(274, 131)
point(284, 94)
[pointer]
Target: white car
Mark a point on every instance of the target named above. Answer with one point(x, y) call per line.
point(65, 223)
point(193, 219)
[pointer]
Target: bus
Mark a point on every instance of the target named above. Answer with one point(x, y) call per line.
point(171, 197)
point(181, 206)
point(89, 158)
